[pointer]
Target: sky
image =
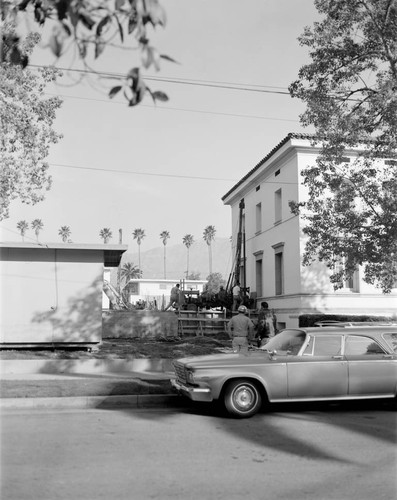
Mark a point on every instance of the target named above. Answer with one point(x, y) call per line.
point(167, 166)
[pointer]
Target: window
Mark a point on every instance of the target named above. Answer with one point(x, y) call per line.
point(277, 206)
point(329, 345)
point(351, 283)
point(362, 346)
point(258, 217)
point(258, 272)
point(279, 273)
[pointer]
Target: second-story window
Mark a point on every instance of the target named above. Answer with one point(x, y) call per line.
point(258, 227)
point(277, 206)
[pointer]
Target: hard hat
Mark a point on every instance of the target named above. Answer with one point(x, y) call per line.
point(242, 309)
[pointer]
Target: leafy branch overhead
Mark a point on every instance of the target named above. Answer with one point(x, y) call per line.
point(350, 92)
point(90, 26)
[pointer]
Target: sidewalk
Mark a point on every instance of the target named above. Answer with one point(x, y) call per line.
point(135, 383)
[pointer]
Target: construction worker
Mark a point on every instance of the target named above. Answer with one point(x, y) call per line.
point(240, 329)
point(236, 296)
point(174, 299)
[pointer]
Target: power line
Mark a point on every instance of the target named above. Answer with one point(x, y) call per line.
point(171, 108)
point(266, 89)
point(178, 176)
point(153, 174)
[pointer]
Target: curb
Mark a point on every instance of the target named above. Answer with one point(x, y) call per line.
point(100, 402)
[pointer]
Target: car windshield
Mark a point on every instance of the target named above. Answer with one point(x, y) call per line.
point(286, 342)
point(391, 339)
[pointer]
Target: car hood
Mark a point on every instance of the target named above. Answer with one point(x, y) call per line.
point(219, 360)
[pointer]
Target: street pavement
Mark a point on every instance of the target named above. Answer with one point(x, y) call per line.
point(294, 452)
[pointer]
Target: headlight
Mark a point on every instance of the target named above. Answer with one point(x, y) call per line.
point(189, 376)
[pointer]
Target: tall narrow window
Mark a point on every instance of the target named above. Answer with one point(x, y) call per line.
point(277, 206)
point(258, 272)
point(258, 218)
point(351, 283)
point(279, 272)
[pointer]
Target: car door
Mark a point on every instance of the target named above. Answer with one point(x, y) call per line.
point(372, 371)
point(320, 372)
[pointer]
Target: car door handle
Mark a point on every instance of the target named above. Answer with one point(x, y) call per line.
point(337, 357)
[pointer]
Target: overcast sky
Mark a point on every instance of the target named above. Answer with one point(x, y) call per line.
point(166, 167)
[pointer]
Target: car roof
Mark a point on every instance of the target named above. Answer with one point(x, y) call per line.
point(350, 330)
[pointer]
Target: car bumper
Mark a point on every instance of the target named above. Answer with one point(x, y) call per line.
point(194, 393)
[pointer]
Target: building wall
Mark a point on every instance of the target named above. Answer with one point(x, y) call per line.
point(306, 289)
point(50, 295)
point(159, 290)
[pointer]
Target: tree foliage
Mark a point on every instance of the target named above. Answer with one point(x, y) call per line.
point(130, 271)
point(214, 282)
point(26, 122)
point(106, 234)
point(209, 236)
point(164, 236)
point(22, 226)
point(37, 225)
point(350, 92)
point(65, 232)
point(188, 241)
point(89, 27)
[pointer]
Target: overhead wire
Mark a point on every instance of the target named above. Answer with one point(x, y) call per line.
point(267, 89)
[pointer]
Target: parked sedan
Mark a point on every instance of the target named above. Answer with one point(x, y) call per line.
point(305, 364)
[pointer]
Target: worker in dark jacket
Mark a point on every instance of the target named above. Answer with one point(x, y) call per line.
point(240, 329)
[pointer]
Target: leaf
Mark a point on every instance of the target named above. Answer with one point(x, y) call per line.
point(102, 23)
point(132, 20)
point(119, 4)
point(158, 95)
point(62, 8)
point(168, 58)
point(120, 28)
point(99, 47)
point(86, 20)
point(115, 90)
point(66, 28)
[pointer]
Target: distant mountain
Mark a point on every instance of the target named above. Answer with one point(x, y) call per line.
point(152, 261)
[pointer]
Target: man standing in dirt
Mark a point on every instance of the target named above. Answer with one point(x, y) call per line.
point(240, 329)
point(174, 299)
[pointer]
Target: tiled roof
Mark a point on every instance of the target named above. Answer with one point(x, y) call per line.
point(291, 135)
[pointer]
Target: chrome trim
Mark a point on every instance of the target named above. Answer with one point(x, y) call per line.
point(194, 393)
point(332, 398)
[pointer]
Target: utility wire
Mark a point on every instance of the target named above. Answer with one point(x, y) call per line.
point(185, 110)
point(182, 81)
point(153, 174)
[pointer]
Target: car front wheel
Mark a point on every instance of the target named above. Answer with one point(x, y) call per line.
point(242, 398)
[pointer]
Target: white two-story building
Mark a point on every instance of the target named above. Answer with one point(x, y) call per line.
point(274, 243)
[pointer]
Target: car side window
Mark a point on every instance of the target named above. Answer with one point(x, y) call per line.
point(327, 345)
point(362, 346)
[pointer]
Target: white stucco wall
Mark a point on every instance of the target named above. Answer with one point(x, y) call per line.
point(51, 294)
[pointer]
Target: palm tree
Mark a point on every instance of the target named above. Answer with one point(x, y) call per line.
point(105, 234)
point(188, 241)
point(64, 233)
point(209, 235)
point(138, 235)
point(130, 271)
point(23, 226)
point(164, 236)
point(37, 226)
